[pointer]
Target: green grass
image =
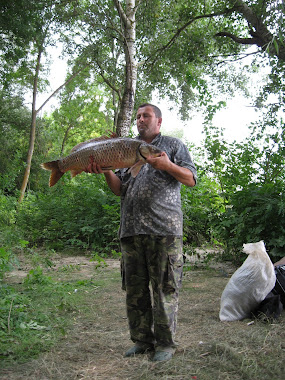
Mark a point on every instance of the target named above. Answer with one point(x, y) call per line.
point(37, 314)
point(71, 323)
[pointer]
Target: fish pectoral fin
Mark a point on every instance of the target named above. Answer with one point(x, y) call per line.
point(74, 172)
point(134, 170)
point(106, 167)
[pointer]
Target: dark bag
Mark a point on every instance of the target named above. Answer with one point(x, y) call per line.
point(274, 303)
point(279, 287)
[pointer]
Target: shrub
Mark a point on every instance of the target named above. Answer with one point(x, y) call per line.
point(81, 213)
point(255, 213)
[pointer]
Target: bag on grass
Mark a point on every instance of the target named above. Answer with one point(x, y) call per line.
point(279, 287)
point(249, 285)
point(274, 303)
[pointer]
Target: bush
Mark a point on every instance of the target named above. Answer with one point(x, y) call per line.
point(81, 213)
point(201, 205)
point(7, 210)
point(255, 213)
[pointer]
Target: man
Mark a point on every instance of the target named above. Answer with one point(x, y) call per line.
point(151, 236)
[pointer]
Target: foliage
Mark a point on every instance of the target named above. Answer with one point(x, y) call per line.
point(80, 116)
point(201, 206)
point(14, 128)
point(251, 181)
point(6, 261)
point(36, 276)
point(255, 213)
point(80, 213)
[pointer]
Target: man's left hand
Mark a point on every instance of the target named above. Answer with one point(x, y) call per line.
point(160, 163)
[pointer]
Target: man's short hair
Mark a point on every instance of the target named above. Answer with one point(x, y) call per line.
point(156, 110)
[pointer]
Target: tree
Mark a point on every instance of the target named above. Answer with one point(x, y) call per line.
point(139, 46)
point(29, 37)
point(265, 20)
point(14, 134)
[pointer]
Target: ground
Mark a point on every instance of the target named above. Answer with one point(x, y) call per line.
point(208, 349)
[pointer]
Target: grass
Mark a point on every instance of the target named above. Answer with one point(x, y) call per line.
point(36, 314)
point(75, 327)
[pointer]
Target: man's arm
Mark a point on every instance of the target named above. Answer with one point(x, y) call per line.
point(112, 180)
point(181, 174)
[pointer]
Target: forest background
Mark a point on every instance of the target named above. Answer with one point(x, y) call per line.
point(119, 54)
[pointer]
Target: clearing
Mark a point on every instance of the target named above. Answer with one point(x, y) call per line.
point(94, 346)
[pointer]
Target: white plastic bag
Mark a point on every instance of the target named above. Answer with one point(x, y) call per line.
point(249, 285)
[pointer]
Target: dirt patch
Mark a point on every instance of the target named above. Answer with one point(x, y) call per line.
point(208, 349)
point(84, 266)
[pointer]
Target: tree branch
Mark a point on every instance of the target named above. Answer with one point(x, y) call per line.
point(106, 80)
point(179, 31)
point(243, 41)
point(261, 35)
point(60, 87)
point(121, 12)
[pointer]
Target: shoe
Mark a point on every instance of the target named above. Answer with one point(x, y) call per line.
point(162, 356)
point(138, 349)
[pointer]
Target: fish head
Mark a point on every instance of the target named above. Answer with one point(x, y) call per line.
point(148, 150)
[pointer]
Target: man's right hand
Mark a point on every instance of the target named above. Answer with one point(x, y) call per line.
point(112, 180)
point(93, 167)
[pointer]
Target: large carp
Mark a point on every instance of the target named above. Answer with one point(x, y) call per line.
point(109, 153)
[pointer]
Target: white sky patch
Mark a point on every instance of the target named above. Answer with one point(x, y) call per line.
point(234, 119)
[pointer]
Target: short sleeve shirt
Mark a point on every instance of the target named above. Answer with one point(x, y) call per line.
point(151, 202)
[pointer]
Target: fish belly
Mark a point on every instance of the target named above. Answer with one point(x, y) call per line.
point(107, 155)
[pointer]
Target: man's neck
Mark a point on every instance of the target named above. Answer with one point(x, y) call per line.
point(149, 140)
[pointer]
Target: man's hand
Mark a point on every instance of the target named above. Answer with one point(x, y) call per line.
point(112, 180)
point(160, 163)
point(93, 167)
point(182, 175)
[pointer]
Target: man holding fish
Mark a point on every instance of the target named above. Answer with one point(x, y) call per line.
point(151, 236)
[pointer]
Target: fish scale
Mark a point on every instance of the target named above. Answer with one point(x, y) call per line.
point(109, 153)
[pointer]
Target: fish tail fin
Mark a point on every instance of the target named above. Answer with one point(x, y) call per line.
point(56, 174)
point(134, 170)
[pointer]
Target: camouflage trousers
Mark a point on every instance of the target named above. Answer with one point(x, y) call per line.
point(151, 269)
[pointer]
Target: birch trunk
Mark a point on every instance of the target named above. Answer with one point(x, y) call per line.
point(128, 21)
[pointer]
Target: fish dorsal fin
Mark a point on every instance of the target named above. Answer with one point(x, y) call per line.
point(79, 146)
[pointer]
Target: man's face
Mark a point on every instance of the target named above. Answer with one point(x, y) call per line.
point(147, 123)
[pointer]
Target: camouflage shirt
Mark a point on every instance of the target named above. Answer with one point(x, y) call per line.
point(151, 202)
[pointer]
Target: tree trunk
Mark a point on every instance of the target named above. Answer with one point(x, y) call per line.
point(33, 130)
point(34, 120)
point(128, 21)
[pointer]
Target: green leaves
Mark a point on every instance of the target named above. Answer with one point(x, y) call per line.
point(82, 213)
point(6, 260)
point(256, 213)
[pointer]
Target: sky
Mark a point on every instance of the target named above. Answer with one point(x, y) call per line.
point(234, 119)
